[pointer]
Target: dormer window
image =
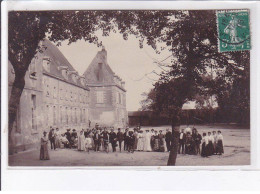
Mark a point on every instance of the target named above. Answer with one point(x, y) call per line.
point(32, 69)
point(82, 81)
point(64, 71)
point(74, 78)
point(46, 63)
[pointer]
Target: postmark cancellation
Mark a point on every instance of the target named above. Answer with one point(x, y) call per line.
point(233, 30)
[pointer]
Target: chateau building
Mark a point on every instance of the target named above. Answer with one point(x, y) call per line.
point(56, 95)
point(107, 93)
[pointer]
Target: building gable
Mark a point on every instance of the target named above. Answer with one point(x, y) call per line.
point(98, 71)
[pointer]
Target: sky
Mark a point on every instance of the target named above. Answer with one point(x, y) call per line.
point(127, 60)
point(133, 64)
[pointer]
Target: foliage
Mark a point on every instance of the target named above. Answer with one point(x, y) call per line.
point(191, 37)
point(198, 71)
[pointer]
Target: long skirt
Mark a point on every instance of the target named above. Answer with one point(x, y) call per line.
point(152, 142)
point(188, 148)
point(161, 145)
point(44, 154)
point(156, 145)
point(204, 151)
point(81, 144)
point(57, 142)
point(101, 148)
point(211, 150)
point(140, 144)
point(92, 143)
point(147, 145)
point(219, 147)
point(193, 147)
point(165, 145)
point(135, 143)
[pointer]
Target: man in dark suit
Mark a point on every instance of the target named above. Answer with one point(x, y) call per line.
point(120, 138)
point(105, 136)
point(96, 139)
point(182, 140)
point(113, 139)
point(52, 138)
point(126, 137)
point(197, 141)
point(168, 138)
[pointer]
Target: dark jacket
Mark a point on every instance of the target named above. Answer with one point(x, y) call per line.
point(112, 137)
point(197, 138)
point(188, 139)
point(168, 136)
point(120, 136)
point(96, 137)
point(105, 136)
point(131, 140)
point(86, 133)
point(68, 135)
point(51, 135)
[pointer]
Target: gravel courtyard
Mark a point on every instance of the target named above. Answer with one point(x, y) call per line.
point(236, 147)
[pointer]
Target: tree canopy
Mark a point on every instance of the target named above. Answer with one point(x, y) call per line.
point(190, 36)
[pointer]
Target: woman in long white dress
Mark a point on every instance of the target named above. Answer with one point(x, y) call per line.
point(57, 136)
point(81, 141)
point(147, 141)
point(140, 142)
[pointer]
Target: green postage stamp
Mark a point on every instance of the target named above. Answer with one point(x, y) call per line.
point(233, 30)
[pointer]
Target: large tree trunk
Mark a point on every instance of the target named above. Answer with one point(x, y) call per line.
point(175, 141)
point(14, 102)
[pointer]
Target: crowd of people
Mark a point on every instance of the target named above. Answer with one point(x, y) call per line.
point(191, 142)
point(99, 138)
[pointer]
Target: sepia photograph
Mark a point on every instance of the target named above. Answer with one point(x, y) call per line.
point(129, 88)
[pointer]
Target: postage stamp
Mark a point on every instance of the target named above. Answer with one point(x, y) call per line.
point(233, 30)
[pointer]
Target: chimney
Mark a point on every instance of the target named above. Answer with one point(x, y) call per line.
point(104, 53)
point(123, 84)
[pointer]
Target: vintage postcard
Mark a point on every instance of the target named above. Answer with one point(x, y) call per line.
point(105, 95)
point(129, 87)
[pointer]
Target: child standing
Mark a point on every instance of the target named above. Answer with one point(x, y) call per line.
point(88, 143)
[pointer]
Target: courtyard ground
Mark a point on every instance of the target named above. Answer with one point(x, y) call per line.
point(236, 147)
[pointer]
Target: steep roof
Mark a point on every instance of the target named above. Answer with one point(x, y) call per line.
point(57, 60)
point(99, 73)
point(53, 52)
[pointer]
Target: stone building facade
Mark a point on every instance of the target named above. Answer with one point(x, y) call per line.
point(107, 93)
point(56, 95)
